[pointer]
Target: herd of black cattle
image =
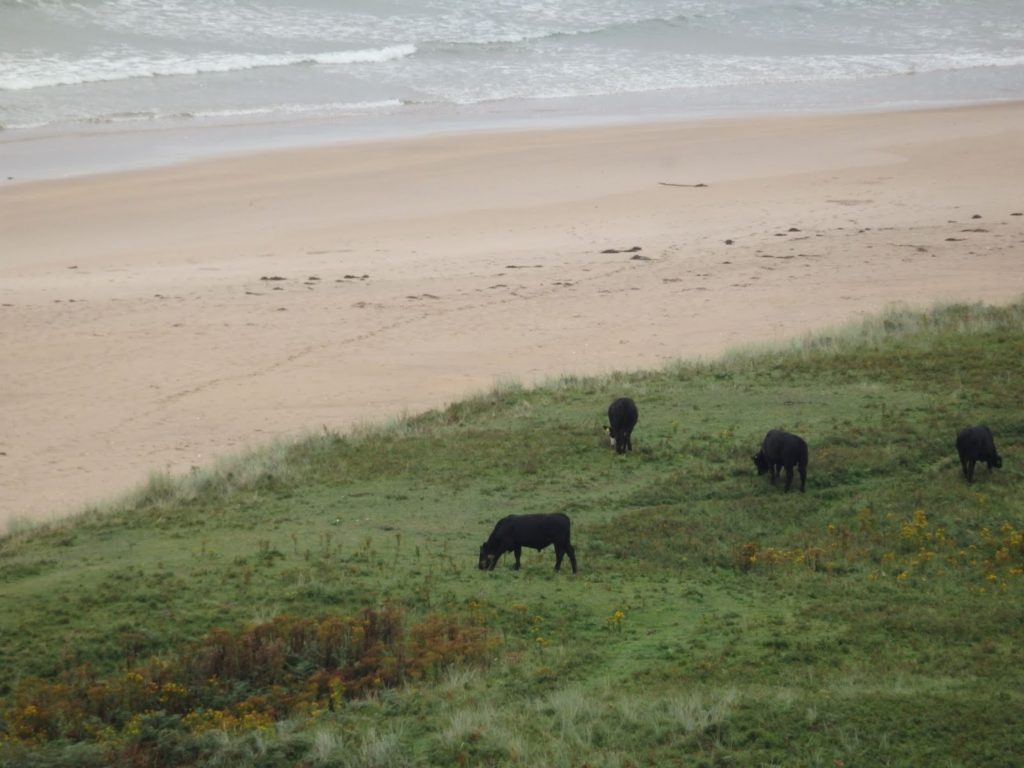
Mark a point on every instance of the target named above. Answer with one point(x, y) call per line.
point(779, 451)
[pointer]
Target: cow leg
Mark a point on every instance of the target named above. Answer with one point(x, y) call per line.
point(803, 476)
point(963, 466)
point(789, 476)
point(559, 554)
point(572, 556)
point(970, 471)
point(518, 552)
point(773, 473)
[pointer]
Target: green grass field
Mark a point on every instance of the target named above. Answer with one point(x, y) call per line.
point(319, 604)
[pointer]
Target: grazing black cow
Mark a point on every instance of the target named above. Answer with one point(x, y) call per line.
point(622, 417)
point(514, 532)
point(975, 444)
point(782, 450)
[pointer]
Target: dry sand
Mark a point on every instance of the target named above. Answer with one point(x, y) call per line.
point(142, 324)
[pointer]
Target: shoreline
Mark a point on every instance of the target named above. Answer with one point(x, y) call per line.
point(147, 328)
point(73, 150)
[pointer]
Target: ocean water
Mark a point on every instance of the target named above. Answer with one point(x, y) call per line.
point(341, 69)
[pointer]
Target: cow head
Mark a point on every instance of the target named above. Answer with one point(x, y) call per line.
point(997, 460)
point(611, 437)
point(486, 558)
point(761, 463)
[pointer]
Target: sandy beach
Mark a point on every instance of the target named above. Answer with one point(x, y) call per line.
point(159, 318)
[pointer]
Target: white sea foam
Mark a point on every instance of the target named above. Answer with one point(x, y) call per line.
point(333, 108)
point(46, 72)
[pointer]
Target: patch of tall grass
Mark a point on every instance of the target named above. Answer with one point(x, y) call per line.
point(576, 725)
point(921, 329)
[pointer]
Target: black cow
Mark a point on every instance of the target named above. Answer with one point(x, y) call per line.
point(622, 417)
point(975, 444)
point(514, 532)
point(781, 449)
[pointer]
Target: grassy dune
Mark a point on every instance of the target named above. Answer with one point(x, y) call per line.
point(318, 603)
